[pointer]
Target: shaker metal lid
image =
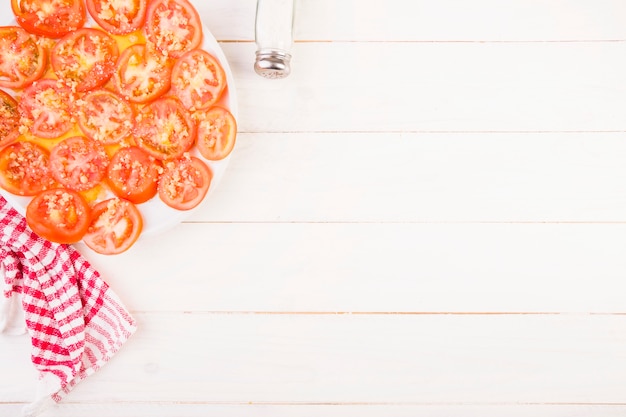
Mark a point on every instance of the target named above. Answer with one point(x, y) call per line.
point(272, 63)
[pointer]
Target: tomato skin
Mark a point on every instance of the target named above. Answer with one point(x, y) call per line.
point(133, 174)
point(185, 183)
point(9, 119)
point(115, 226)
point(58, 215)
point(24, 169)
point(23, 60)
point(118, 21)
point(85, 59)
point(78, 163)
point(164, 14)
point(105, 116)
point(217, 131)
point(198, 80)
point(61, 18)
point(45, 108)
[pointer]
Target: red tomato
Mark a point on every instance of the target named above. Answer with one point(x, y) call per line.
point(45, 108)
point(51, 18)
point(115, 226)
point(24, 169)
point(217, 129)
point(85, 59)
point(9, 119)
point(58, 215)
point(23, 60)
point(173, 27)
point(133, 174)
point(105, 116)
point(141, 77)
point(78, 163)
point(198, 79)
point(118, 18)
point(165, 129)
point(184, 183)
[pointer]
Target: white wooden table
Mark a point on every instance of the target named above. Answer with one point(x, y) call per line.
point(428, 217)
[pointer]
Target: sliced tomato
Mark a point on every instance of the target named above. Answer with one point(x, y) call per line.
point(141, 77)
point(184, 183)
point(104, 116)
point(58, 215)
point(45, 108)
point(165, 129)
point(173, 27)
point(22, 61)
point(217, 130)
point(115, 226)
point(85, 59)
point(51, 18)
point(24, 169)
point(198, 80)
point(78, 163)
point(9, 119)
point(133, 174)
point(119, 17)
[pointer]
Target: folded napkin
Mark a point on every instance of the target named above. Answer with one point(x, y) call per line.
point(75, 321)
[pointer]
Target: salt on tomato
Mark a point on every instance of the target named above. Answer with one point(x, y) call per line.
point(198, 79)
point(24, 169)
point(173, 27)
point(9, 119)
point(78, 163)
point(23, 60)
point(217, 130)
point(115, 226)
point(51, 18)
point(141, 77)
point(184, 183)
point(118, 17)
point(133, 174)
point(85, 59)
point(165, 129)
point(45, 108)
point(58, 215)
point(104, 116)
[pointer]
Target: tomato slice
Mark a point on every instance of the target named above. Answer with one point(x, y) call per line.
point(51, 18)
point(141, 77)
point(165, 129)
point(104, 116)
point(198, 79)
point(133, 174)
point(23, 60)
point(58, 215)
point(45, 108)
point(85, 59)
point(173, 27)
point(119, 17)
point(184, 183)
point(24, 169)
point(78, 163)
point(115, 226)
point(217, 130)
point(9, 119)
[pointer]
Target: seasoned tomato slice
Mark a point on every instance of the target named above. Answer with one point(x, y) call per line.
point(118, 17)
point(133, 174)
point(217, 130)
point(104, 116)
point(165, 129)
point(9, 119)
point(78, 163)
point(51, 18)
point(58, 215)
point(85, 59)
point(24, 169)
point(173, 27)
point(184, 183)
point(45, 108)
point(22, 61)
point(198, 79)
point(141, 77)
point(115, 226)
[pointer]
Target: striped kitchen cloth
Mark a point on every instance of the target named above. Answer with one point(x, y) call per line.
point(75, 321)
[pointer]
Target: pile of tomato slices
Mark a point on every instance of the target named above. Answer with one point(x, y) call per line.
point(105, 105)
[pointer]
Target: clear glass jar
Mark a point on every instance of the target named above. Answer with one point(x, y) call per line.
point(273, 34)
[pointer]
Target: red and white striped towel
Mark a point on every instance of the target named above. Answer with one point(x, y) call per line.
point(75, 321)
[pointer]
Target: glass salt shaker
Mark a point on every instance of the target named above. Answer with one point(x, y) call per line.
point(273, 34)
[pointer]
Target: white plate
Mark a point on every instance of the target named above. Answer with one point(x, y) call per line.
point(157, 216)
